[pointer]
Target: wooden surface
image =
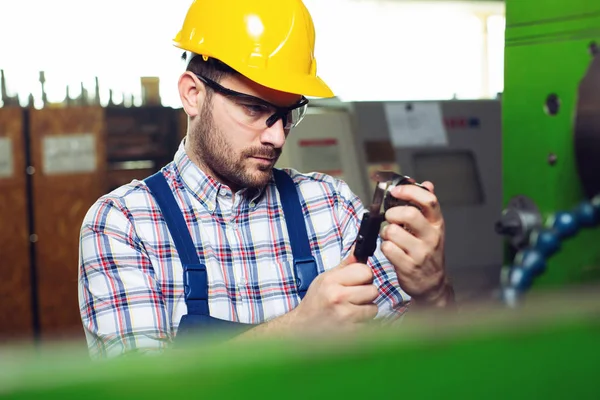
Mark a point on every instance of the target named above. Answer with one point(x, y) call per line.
point(120, 177)
point(15, 294)
point(144, 133)
point(61, 202)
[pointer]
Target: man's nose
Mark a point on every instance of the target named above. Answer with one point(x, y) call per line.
point(274, 135)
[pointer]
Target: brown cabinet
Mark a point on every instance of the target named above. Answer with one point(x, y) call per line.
point(68, 155)
point(16, 319)
point(75, 155)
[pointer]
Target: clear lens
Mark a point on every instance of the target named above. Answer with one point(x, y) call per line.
point(255, 115)
point(295, 116)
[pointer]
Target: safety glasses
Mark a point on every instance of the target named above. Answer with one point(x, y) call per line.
point(255, 112)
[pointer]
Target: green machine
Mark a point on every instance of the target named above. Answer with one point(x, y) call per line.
point(547, 348)
point(551, 144)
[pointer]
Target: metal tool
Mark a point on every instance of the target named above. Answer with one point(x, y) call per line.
point(8, 101)
point(111, 101)
point(96, 91)
point(383, 200)
point(42, 80)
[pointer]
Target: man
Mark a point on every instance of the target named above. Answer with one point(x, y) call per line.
point(252, 245)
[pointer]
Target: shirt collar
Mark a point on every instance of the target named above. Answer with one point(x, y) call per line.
point(203, 186)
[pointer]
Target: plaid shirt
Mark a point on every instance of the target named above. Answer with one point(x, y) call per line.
point(131, 280)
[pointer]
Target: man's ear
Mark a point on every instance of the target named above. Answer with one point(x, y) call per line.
point(192, 93)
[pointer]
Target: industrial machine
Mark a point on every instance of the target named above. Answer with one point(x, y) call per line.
point(457, 146)
point(551, 145)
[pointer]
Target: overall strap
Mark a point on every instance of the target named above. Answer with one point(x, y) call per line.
point(195, 278)
point(174, 218)
point(305, 266)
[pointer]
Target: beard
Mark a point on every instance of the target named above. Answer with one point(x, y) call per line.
point(211, 148)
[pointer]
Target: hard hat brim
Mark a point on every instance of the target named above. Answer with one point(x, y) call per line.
point(310, 86)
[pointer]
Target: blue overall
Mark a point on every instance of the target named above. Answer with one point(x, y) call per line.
point(195, 278)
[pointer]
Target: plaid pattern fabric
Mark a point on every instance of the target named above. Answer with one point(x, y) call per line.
point(130, 277)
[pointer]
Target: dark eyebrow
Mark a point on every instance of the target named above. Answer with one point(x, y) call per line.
point(252, 101)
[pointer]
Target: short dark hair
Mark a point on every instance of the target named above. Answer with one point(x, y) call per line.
point(212, 68)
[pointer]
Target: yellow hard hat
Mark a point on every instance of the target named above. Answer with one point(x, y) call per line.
point(269, 41)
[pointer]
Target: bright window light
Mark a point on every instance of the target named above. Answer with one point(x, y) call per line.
point(366, 50)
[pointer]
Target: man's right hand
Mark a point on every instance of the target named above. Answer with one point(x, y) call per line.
point(341, 298)
point(338, 300)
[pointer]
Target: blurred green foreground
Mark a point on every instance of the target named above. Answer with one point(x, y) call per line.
point(547, 349)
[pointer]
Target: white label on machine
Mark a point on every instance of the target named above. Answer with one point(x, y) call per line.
point(416, 124)
point(321, 155)
point(69, 154)
point(6, 158)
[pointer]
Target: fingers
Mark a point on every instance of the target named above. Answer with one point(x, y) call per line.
point(413, 220)
point(403, 263)
point(412, 246)
point(361, 313)
point(429, 186)
point(361, 295)
point(351, 259)
point(426, 201)
point(355, 275)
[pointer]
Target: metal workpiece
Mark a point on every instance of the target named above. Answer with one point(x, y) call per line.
point(388, 180)
point(383, 200)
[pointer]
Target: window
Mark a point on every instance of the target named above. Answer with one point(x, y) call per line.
point(366, 50)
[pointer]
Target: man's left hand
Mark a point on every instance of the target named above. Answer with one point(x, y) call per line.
point(413, 241)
